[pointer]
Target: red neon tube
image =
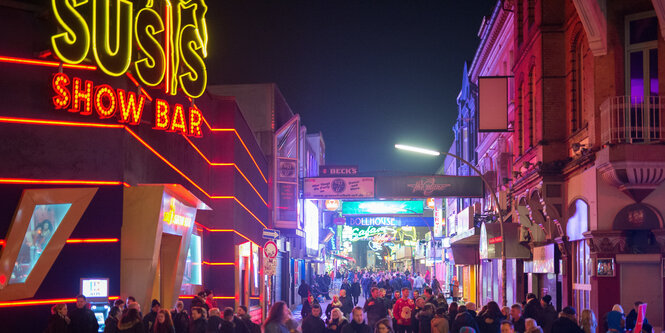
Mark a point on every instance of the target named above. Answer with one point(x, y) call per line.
point(24, 61)
point(44, 301)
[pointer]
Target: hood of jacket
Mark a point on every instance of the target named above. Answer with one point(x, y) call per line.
point(128, 325)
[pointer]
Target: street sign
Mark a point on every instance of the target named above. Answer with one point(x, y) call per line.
point(270, 249)
point(270, 233)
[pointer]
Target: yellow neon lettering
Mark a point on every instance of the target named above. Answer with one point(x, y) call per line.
point(193, 82)
point(114, 59)
point(105, 92)
point(71, 45)
point(129, 108)
point(150, 68)
point(161, 114)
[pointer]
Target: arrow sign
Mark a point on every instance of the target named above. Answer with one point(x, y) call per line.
point(270, 233)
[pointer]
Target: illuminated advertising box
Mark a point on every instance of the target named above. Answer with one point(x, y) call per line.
point(95, 290)
point(388, 221)
point(380, 207)
point(339, 188)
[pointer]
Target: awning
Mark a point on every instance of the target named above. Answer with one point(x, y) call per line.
point(339, 256)
point(465, 254)
point(467, 237)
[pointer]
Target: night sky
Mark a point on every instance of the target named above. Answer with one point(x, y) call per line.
point(367, 74)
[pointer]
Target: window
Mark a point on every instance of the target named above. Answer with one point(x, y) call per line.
point(520, 117)
point(641, 56)
point(578, 120)
point(529, 136)
point(44, 222)
point(520, 20)
point(531, 12)
point(192, 273)
point(578, 223)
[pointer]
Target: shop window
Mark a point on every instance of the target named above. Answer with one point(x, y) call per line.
point(192, 274)
point(578, 223)
point(44, 222)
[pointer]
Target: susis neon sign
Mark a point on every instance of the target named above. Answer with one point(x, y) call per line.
point(167, 50)
point(83, 97)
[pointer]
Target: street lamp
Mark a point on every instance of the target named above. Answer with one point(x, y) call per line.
point(497, 206)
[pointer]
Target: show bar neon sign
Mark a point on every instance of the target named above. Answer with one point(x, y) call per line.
point(167, 50)
point(82, 96)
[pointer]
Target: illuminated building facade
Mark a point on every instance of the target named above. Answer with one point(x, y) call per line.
point(122, 172)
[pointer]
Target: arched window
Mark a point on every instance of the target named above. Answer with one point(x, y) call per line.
point(580, 258)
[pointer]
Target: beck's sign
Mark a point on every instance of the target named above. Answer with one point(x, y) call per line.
point(338, 170)
point(163, 44)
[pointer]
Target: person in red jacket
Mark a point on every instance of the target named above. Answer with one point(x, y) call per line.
point(403, 311)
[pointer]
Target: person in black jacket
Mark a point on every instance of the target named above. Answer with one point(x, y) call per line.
point(150, 318)
point(59, 322)
point(252, 327)
point(111, 323)
point(313, 323)
point(347, 302)
point(357, 325)
point(199, 323)
point(307, 306)
point(464, 319)
point(355, 291)
point(567, 323)
point(375, 308)
point(303, 290)
point(631, 318)
point(549, 314)
point(83, 320)
point(131, 321)
point(180, 318)
point(489, 321)
point(516, 318)
point(532, 309)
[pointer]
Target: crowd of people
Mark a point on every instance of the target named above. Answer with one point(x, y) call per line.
point(125, 316)
point(394, 303)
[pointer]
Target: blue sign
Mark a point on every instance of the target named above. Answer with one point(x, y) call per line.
point(393, 221)
point(270, 233)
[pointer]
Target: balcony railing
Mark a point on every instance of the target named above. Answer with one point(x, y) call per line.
point(631, 119)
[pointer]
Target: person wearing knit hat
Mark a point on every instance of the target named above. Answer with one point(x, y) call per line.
point(467, 329)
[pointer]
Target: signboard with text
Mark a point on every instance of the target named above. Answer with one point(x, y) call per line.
point(339, 188)
point(393, 221)
point(429, 186)
point(338, 170)
point(382, 207)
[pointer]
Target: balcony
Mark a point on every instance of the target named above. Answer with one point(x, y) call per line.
point(632, 119)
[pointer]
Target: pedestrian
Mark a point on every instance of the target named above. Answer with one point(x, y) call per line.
point(532, 309)
point(346, 301)
point(631, 318)
point(355, 291)
point(58, 322)
point(440, 323)
point(429, 297)
point(199, 321)
point(415, 323)
point(403, 313)
point(529, 325)
point(436, 286)
point(383, 326)
point(425, 317)
point(616, 321)
point(215, 322)
point(304, 290)
point(375, 308)
point(163, 322)
point(82, 319)
point(452, 314)
point(307, 306)
point(111, 322)
point(120, 304)
point(180, 318)
point(471, 309)
point(506, 327)
point(357, 324)
point(277, 316)
point(131, 320)
point(548, 315)
point(566, 323)
point(346, 286)
point(150, 318)
point(229, 323)
point(464, 318)
point(490, 320)
point(418, 282)
point(517, 319)
point(336, 321)
point(210, 299)
point(313, 323)
point(252, 327)
point(505, 312)
point(200, 301)
point(335, 304)
point(588, 321)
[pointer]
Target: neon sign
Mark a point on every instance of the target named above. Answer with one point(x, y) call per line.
point(173, 218)
point(167, 51)
point(358, 234)
point(380, 207)
point(83, 97)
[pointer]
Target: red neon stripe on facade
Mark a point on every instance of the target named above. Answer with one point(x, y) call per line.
point(59, 181)
point(227, 230)
point(145, 93)
point(54, 122)
point(225, 164)
point(241, 141)
point(44, 301)
point(48, 122)
point(92, 240)
point(25, 61)
point(214, 297)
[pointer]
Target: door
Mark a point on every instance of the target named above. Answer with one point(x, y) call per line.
point(641, 281)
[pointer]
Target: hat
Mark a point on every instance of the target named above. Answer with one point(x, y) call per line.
point(155, 303)
point(467, 329)
point(547, 299)
point(569, 310)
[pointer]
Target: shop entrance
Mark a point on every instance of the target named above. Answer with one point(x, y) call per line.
point(638, 271)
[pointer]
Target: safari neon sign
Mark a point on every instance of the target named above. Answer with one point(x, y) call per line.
point(164, 50)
